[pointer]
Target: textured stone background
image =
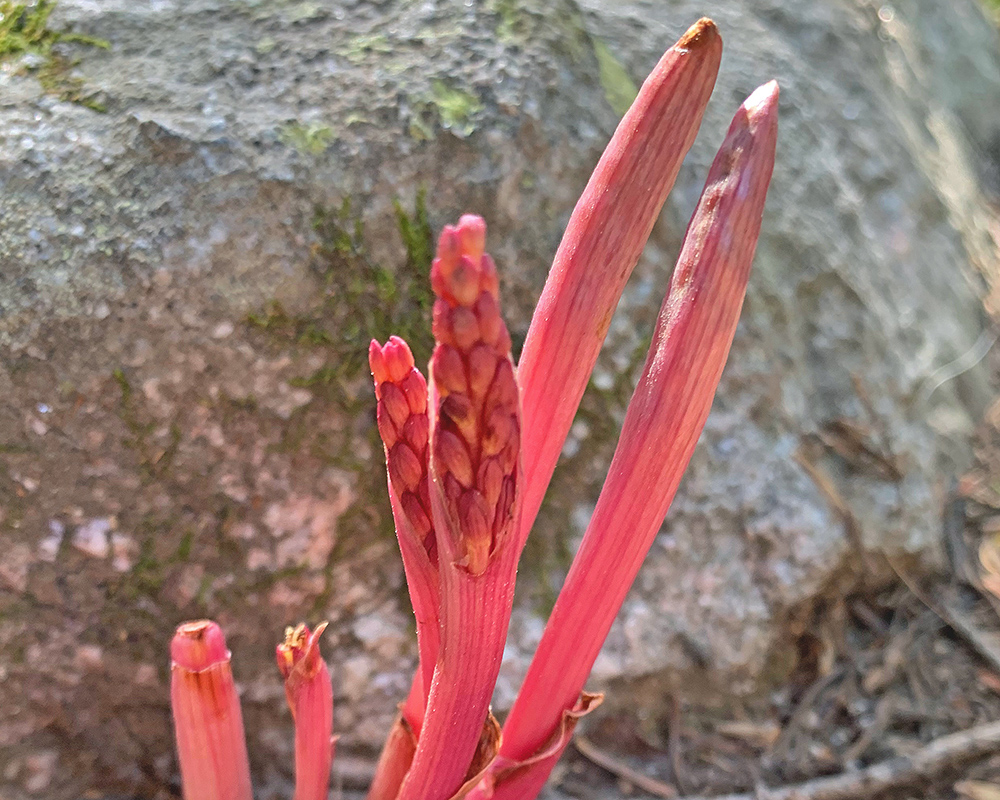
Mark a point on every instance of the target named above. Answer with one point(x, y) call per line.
point(186, 422)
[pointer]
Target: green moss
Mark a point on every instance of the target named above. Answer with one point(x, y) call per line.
point(56, 79)
point(15, 448)
point(146, 577)
point(311, 139)
point(457, 108)
point(359, 299)
point(123, 385)
point(24, 29)
point(184, 548)
point(512, 24)
point(619, 88)
point(359, 47)
point(453, 109)
point(265, 46)
point(422, 124)
point(153, 461)
point(560, 25)
point(247, 403)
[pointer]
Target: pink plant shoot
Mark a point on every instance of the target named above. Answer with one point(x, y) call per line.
point(667, 412)
point(401, 412)
point(470, 452)
point(601, 246)
point(310, 698)
point(208, 724)
point(474, 467)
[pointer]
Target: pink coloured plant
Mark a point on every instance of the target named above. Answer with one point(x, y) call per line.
point(207, 719)
point(470, 452)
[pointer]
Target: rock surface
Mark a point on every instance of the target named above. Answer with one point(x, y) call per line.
point(186, 426)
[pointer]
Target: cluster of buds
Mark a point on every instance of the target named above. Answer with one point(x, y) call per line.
point(401, 411)
point(470, 452)
point(477, 438)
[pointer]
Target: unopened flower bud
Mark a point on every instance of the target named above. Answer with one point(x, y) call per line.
point(454, 458)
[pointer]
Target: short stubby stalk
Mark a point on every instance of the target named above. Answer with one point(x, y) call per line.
point(208, 723)
point(310, 698)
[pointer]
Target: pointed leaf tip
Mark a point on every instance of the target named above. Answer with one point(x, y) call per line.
point(762, 101)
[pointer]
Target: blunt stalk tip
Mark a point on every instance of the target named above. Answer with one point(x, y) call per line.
point(703, 32)
point(207, 721)
point(198, 645)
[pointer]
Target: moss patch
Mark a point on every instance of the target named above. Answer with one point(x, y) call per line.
point(560, 24)
point(311, 139)
point(619, 88)
point(358, 48)
point(457, 107)
point(154, 459)
point(455, 110)
point(359, 299)
point(24, 30)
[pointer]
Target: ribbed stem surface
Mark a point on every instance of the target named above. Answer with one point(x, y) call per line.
point(602, 244)
point(665, 417)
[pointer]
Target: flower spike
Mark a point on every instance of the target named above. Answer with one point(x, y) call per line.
point(475, 471)
point(602, 244)
point(403, 424)
point(476, 439)
point(208, 724)
point(310, 698)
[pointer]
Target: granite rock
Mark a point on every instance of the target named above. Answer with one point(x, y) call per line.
point(187, 424)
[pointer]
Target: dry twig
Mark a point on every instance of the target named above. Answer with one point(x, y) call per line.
point(955, 618)
point(622, 770)
point(899, 771)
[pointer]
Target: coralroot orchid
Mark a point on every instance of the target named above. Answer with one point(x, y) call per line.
point(470, 451)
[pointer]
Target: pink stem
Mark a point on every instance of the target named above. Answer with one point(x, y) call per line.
point(207, 719)
point(310, 698)
point(475, 487)
point(605, 236)
point(404, 428)
point(693, 334)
